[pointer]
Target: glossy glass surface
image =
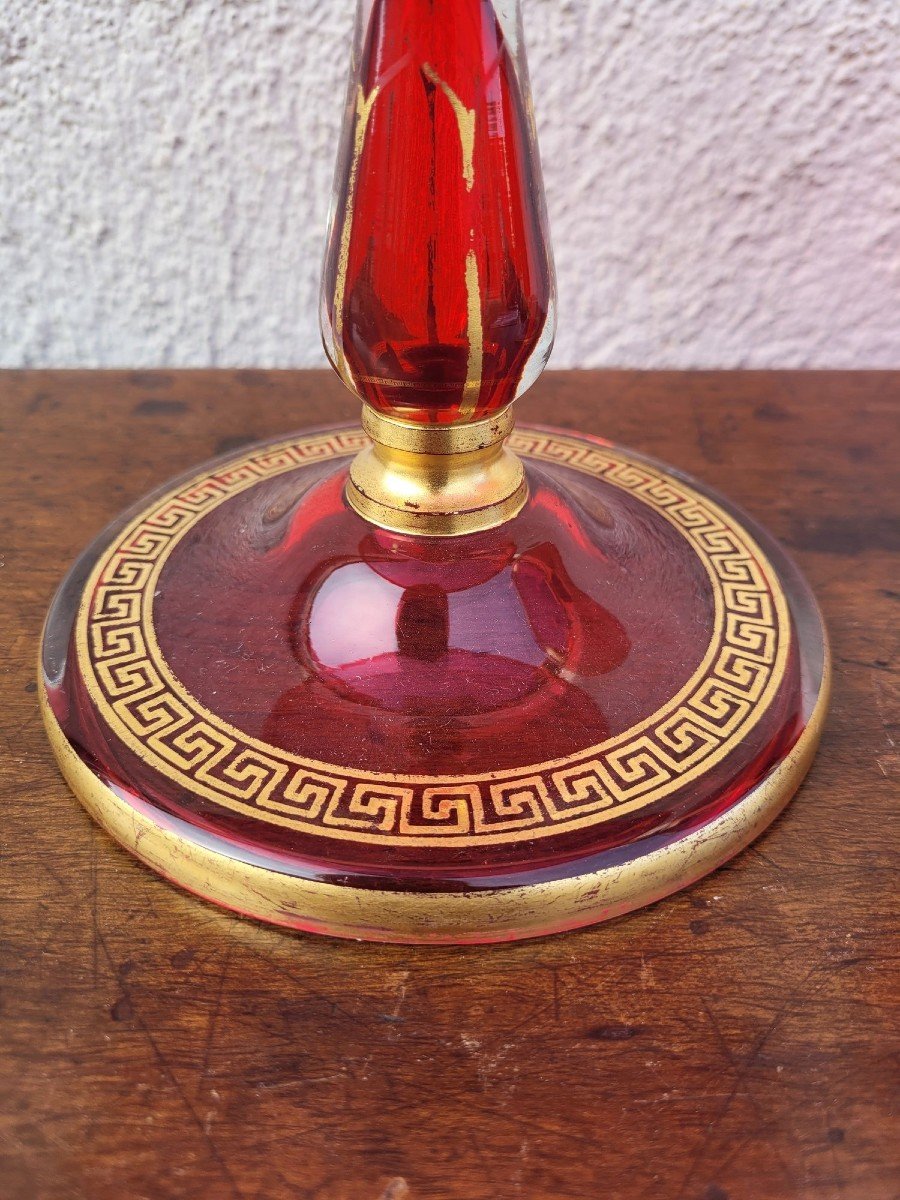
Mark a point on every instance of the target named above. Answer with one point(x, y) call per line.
point(299, 624)
point(437, 299)
point(417, 655)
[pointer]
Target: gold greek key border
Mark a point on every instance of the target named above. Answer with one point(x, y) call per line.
point(495, 915)
point(137, 695)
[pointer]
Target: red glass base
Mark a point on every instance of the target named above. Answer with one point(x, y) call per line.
point(315, 722)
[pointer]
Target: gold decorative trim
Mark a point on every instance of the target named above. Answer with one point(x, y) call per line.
point(496, 915)
point(437, 480)
point(465, 123)
point(364, 106)
point(423, 523)
point(137, 695)
point(417, 438)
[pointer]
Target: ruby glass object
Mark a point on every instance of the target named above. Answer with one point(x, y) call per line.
point(438, 289)
point(436, 681)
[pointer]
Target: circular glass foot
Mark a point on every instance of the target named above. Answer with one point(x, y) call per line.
point(315, 722)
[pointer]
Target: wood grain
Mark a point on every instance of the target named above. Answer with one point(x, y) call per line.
point(730, 1043)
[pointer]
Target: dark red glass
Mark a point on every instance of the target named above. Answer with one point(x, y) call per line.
point(289, 617)
point(296, 712)
point(437, 300)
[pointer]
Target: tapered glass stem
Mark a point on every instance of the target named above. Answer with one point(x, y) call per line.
point(438, 289)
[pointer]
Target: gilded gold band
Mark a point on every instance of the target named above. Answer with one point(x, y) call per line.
point(438, 439)
point(439, 480)
point(491, 915)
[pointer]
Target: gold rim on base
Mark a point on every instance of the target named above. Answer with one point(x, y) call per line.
point(499, 914)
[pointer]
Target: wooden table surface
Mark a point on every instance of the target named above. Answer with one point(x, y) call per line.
point(730, 1043)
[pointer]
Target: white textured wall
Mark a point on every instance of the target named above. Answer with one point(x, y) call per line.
point(723, 179)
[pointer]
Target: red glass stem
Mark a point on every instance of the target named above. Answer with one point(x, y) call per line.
point(438, 279)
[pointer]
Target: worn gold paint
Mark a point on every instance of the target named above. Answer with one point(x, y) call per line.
point(364, 105)
point(465, 121)
point(475, 333)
